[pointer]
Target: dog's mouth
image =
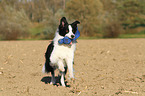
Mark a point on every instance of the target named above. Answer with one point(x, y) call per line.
point(71, 37)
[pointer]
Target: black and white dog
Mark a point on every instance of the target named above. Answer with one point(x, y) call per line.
point(61, 56)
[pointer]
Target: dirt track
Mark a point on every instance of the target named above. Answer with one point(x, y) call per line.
point(107, 67)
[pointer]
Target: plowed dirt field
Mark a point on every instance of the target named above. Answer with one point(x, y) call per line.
point(103, 67)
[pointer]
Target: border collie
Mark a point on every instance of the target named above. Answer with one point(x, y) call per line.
point(61, 56)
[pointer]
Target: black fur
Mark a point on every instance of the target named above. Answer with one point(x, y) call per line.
point(48, 68)
point(63, 27)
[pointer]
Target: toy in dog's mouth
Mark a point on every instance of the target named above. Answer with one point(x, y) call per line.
point(67, 40)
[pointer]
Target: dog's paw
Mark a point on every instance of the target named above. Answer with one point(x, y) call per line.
point(71, 76)
point(52, 83)
point(63, 85)
point(61, 68)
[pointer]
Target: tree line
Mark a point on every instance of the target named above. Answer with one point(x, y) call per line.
point(38, 19)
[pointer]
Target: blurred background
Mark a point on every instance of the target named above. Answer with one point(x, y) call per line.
point(39, 19)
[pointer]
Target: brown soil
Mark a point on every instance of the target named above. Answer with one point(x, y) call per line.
point(107, 67)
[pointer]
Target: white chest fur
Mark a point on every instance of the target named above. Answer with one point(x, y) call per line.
point(62, 52)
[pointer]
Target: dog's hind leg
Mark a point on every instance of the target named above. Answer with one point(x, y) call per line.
point(53, 77)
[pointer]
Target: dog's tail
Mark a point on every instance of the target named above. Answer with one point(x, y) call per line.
point(43, 69)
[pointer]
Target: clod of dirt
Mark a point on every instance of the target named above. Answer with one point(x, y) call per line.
point(102, 87)
point(1, 72)
point(119, 92)
point(143, 76)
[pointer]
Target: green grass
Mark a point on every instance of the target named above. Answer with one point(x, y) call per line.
point(132, 36)
point(137, 35)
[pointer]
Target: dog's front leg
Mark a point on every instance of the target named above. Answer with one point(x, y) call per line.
point(70, 68)
point(61, 66)
point(62, 71)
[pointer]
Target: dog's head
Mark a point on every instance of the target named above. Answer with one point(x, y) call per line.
point(66, 29)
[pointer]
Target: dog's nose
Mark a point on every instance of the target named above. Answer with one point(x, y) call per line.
point(72, 36)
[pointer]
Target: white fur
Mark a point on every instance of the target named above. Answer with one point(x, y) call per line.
point(62, 55)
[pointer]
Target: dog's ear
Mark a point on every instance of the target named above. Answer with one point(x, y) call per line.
point(75, 23)
point(63, 22)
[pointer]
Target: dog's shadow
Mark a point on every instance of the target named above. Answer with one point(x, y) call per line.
point(47, 80)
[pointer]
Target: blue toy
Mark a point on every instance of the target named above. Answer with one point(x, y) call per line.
point(67, 40)
point(77, 35)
